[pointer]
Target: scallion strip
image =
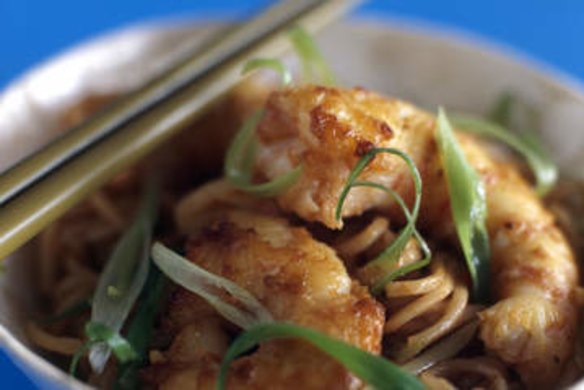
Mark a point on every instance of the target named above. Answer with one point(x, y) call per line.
point(392, 253)
point(99, 334)
point(81, 351)
point(72, 311)
point(525, 143)
point(544, 170)
point(315, 67)
point(469, 207)
point(212, 288)
point(502, 110)
point(374, 370)
point(125, 272)
point(240, 158)
point(502, 114)
point(141, 328)
point(269, 63)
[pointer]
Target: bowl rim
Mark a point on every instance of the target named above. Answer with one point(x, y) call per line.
point(33, 365)
point(464, 38)
point(434, 31)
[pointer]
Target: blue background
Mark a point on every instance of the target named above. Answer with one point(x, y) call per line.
point(34, 30)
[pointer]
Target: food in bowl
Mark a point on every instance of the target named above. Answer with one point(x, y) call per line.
point(311, 235)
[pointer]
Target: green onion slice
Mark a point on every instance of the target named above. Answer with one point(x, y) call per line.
point(469, 207)
point(525, 143)
point(545, 171)
point(378, 372)
point(315, 67)
point(77, 357)
point(392, 253)
point(240, 158)
point(269, 63)
point(100, 334)
point(74, 310)
point(124, 273)
point(213, 288)
point(502, 110)
point(141, 328)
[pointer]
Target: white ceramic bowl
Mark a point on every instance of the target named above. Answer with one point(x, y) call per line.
point(429, 66)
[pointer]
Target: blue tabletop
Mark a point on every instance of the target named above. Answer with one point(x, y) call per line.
point(34, 30)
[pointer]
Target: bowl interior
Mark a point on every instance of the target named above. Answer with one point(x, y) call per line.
point(426, 66)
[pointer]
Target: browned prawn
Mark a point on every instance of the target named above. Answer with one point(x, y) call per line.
point(534, 275)
point(298, 280)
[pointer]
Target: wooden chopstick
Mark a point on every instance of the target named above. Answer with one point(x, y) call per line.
point(122, 111)
point(43, 187)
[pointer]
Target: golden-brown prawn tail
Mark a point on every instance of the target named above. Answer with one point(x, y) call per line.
point(531, 333)
point(535, 275)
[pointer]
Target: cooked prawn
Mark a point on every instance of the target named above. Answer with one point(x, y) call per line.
point(298, 280)
point(534, 275)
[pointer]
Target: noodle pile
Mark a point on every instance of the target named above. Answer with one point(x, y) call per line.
point(430, 328)
point(72, 251)
point(422, 309)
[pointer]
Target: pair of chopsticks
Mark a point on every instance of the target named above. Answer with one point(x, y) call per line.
point(44, 186)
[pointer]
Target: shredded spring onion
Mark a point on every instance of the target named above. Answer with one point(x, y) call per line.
point(241, 154)
point(214, 289)
point(469, 208)
point(392, 253)
point(100, 334)
point(74, 310)
point(543, 168)
point(378, 372)
point(240, 158)
point(77, 357)
point(124, 273)
point(141, 328)
point(502, 110)
point(269, 63)
point(315, 68)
